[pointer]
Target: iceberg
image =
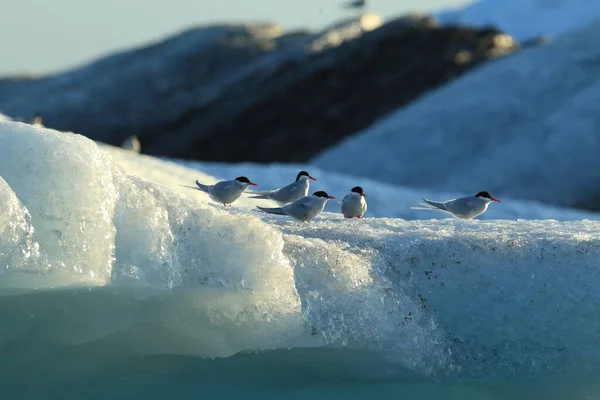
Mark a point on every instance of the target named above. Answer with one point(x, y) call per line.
point(108, 268)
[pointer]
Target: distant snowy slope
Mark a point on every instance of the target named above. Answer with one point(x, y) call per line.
point(124, 90)
point(525, 19)
point(242, 92)
point(524, 126)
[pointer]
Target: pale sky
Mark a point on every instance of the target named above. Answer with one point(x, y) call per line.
point(38, 36)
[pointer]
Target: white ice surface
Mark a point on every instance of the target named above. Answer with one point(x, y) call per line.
point(525, 19)
point(525, 126)
point(147, 267)
point(384, 199)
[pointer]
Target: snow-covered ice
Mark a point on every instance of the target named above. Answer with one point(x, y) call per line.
point(525, 19)
point(154, 269)
point(524, 126)
point(384, 199)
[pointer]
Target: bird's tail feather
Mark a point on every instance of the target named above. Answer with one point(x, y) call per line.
point(422, 208)
point(199, 186)
point(190, 187)
point(202, 186)
point(275, 210)
point(430, 205)
point(259, 196)
point(261, 193)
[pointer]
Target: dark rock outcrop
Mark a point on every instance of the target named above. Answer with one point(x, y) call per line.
point(253, 93)
point(117, 96)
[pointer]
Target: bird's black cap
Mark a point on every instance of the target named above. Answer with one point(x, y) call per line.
point(321, 193)
point(486, 195)
point(359, 190)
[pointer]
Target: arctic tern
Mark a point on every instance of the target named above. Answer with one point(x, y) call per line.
point(225, 192)
point(463, 207)
point(354, 204)
point(304, 209)
point(289, 193)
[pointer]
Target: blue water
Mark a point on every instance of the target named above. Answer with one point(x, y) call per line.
point(280, 374)
point(37, 362)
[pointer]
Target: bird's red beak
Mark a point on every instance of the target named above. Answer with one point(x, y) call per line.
point(310, 177)
point(496, 200)
point(330, 197)
point(363, 194)
point(253, 184)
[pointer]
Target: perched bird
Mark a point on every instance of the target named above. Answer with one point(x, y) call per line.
point(289, 193)
point(463, 207)
point(132, 143)
point(354, 204)
point(38, 120)
point(225, 192)
point(303, 209)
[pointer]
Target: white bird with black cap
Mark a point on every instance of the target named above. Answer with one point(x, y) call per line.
point(304, 209)
point(354, 204)
point(289, 193)
point(225, 192)
point(463, 207)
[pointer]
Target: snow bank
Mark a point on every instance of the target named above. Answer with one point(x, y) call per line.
point(525, 19)
point(137, 268)
point(520, 127)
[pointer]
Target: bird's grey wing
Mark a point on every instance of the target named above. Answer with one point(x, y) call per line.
point(221, 188)
point(437, 205)
point(203, 187)
point(301, 210)
point(275, 210)
point(459, 206)
point(287, 193)
point(301, 207)
point(261, 194)
point(345, 204)
point(226, 191)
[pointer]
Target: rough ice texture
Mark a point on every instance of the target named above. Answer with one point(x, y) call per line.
point(525, 19)
point(524, 127)
point(71, 214)
point(172, 272)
